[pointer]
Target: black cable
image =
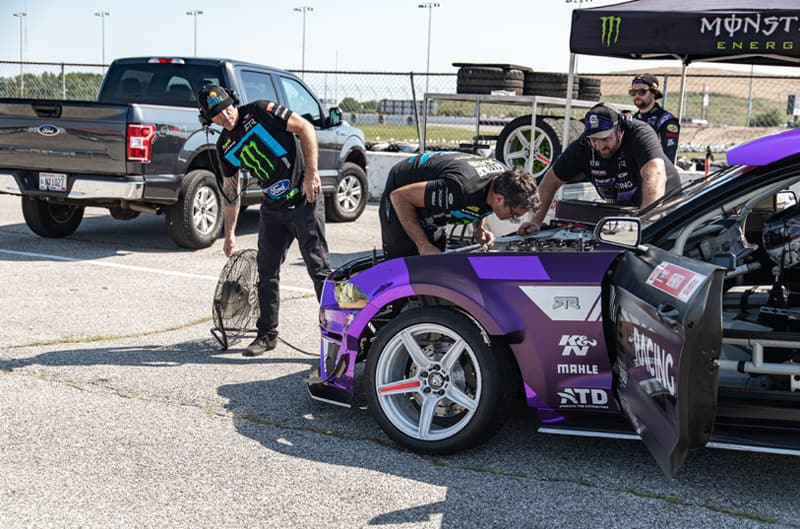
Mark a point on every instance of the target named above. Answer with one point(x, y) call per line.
point(316, 355)
point(218, 172)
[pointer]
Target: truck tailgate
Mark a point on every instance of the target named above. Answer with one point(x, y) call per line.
point(60, 136)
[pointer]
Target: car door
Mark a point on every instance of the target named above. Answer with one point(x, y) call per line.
point(663, 322)
point(301, 101)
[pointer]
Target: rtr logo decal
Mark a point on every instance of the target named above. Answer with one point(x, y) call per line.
point(583, 398)
point(566, 303)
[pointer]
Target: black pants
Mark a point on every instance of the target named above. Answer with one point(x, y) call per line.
point(277, 229)
point(396, 242)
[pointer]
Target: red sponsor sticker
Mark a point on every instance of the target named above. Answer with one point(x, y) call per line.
point(675, 280)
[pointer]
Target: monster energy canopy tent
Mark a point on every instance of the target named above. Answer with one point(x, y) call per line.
point(739, 31)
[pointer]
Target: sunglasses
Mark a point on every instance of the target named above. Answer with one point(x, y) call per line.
point(640, 91)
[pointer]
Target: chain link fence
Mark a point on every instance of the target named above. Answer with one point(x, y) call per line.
point(382, 103)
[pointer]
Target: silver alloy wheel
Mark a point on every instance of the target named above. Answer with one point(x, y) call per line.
point(205, 210)
point(518, 148)
point(348, 193)
point(428, 382)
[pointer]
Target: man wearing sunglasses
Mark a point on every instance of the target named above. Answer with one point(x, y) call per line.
point(644, 91)
point(622, 157)
point(428, 191)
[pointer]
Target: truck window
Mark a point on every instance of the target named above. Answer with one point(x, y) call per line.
point(301, 101)
point(257, 85)
point(157, 84)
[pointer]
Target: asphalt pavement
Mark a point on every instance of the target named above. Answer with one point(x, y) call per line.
point(118, 410)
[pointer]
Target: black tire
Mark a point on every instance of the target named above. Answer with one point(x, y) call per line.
point(490, 74)
point(349, 199)
point(196, 220)
point(478, 378)
point(52, 220)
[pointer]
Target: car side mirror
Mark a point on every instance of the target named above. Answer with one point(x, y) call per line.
point(335, 117)
point(619, 231)
point(785, 199)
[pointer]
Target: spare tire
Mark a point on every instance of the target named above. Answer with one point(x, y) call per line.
point(484, 80)
point(514, 144)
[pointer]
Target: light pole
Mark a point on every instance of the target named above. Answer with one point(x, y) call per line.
point(21, 15)
point(194, 13)
point(103, 15)
point(429, 6)
point(304, 10)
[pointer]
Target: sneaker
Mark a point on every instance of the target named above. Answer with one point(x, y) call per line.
point(261, 345)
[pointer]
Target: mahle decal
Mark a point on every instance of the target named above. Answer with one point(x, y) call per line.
point(610, 30)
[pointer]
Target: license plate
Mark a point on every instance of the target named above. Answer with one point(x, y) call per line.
point(52, 182)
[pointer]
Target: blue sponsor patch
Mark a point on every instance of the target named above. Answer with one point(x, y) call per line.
point(278, 189)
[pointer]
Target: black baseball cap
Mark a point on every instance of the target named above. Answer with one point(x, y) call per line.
point(650, 81)
point(600, 121)
point(213, 99)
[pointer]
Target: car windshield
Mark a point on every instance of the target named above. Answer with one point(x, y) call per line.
point(689, 190)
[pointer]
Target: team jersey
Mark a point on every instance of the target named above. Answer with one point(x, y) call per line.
point(456, 186)
point(261, 145)
point(666, 126)
point(617, 179)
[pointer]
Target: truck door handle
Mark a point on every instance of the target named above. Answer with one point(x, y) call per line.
point(668, 314)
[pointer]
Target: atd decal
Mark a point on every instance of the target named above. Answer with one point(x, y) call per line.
point(583, 398)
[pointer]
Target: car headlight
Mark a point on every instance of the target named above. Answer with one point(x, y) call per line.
point(349, 296)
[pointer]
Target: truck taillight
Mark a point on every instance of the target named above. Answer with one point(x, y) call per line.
point(140, 142)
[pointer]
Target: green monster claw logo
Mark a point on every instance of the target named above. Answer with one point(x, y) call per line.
point(251, 157)
point(610, 29)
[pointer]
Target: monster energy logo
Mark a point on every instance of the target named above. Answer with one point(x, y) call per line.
point(252, 158)
point(610, 30)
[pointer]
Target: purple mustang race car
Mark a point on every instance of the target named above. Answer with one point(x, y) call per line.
point(684, 319)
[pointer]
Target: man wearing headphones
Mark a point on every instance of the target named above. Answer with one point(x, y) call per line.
point(279, 149)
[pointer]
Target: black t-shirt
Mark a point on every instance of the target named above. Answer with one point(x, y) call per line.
point(666, 126)
point(456, 188)
point(617, 179)
point(260, 144)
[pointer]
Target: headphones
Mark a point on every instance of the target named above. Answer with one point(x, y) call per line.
point(205, 119)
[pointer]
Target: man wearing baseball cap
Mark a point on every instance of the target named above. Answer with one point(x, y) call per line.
point(279, 149)
point(622, 158)
point(644, 91)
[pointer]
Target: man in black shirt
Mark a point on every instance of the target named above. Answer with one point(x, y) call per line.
point(622, 158)
point(644, 91)
point(262, 137)
point(428, 191)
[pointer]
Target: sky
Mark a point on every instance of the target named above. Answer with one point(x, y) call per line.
point(343, 35)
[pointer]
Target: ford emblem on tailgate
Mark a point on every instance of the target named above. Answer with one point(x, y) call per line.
point(48, 130)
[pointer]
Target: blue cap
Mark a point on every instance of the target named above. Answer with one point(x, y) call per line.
point(600, 121)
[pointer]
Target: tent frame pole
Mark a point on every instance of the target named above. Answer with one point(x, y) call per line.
point(573, 58)
point(683, 91)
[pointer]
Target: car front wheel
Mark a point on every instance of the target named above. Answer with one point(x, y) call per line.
point(434, 384)
point(196, 220)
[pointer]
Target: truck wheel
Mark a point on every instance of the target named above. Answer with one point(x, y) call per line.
point(195, 221)
point(349, 199)
point(514, 144)
point(51, 220)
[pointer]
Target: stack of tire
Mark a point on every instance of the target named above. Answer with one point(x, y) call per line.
point(485, 79)
point(548, 84)
point(589, 88)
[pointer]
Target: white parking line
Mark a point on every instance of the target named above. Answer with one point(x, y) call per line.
point(136, 268)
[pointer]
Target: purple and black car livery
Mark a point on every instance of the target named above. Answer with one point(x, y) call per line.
point(677, 319)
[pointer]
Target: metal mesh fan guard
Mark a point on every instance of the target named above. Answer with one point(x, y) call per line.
point(235, 307)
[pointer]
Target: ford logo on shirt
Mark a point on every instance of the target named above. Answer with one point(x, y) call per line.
point(48, 130)
point(278, 189)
